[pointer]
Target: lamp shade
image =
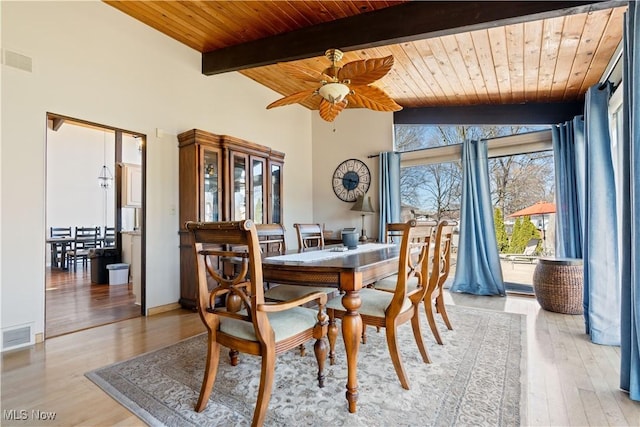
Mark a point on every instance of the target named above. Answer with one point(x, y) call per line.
point(334, 92)
point(363, 204)
point(105, 178)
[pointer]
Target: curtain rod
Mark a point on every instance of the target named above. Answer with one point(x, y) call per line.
point(371, 156)
point(611, 66)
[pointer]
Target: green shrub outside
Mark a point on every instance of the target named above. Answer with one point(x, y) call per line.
point(523, 231)
point(501, 231)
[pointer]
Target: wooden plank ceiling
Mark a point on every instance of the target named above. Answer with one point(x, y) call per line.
point(551, 59)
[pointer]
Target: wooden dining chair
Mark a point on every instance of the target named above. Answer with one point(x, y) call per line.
point(309, 235)
point(272, 239)
point(435, 268)
point(393, 234)
point(86, 238)
point(424, 234)
point(389, 310)
point(440, 267)
point(247, 322)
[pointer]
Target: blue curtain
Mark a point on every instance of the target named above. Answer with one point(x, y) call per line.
point(389, 190)
point(478, 269)
point(630, 209)
point(601, 290)
point(568, 154)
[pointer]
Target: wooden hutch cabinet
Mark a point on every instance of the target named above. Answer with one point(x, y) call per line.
point(223, 178)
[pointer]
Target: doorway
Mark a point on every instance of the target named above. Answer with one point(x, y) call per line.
point(94, 181)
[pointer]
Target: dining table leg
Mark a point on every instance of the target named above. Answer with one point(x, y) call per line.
point(351, 333)
point(54, 254)
point(63, 256)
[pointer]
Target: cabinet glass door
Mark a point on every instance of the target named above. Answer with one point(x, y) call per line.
point(258, 190)
point(239, 187)
point(275, 206)
point(211, 186)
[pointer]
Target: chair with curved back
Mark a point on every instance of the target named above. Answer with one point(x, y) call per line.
point(272, 239)
point(393, 234)
point(309, 235)
point(247, 322)
point(389, 310)
point(435, 273)
point(441, 265)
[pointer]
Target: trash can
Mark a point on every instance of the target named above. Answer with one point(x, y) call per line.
point(100, 258)
point(118, 274)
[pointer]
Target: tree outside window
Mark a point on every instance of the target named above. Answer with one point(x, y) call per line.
point(433, 191)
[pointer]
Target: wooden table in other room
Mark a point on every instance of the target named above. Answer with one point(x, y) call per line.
point(63, 243)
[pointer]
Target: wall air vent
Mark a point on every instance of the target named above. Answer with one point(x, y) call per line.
point(16, 337)
point(16, 60)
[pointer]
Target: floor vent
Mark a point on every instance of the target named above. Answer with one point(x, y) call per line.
point(16, 60)
point(16, 337)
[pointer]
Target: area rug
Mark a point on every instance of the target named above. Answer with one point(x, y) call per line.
point(476, 378)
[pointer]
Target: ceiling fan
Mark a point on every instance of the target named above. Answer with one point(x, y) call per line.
point(342, 86)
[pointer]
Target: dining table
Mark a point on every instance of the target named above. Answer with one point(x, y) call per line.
point(63, 243)
point(347, 270)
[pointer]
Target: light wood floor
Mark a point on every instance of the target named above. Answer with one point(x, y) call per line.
point(571, 382)
point(73, 303)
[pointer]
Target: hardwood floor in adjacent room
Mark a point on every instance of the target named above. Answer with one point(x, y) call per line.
point(570, 381)
point(73, 303)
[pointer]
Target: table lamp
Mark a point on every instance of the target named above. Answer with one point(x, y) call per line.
point(363, 205)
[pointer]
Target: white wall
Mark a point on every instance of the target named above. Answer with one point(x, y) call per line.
point(74, 159)
point(94, 63)
point(356, 133)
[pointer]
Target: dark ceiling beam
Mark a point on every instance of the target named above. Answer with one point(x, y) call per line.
point(513, 114)
point(396, 24)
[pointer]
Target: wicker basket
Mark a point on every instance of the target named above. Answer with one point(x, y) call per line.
point(558, 285)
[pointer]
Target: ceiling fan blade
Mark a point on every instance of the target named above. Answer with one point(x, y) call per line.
point(304, 73)
point(372, 98)
point(314, 102)
point(366, 71)
point(292, 99)
point(329, 111)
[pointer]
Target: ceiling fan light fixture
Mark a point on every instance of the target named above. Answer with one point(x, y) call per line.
point(334, 92)
point(338, 87)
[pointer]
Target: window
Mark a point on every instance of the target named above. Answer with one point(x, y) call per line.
point(520, 166)
point(521, 169)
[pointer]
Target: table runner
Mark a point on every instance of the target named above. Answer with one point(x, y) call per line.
point(329, 253)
